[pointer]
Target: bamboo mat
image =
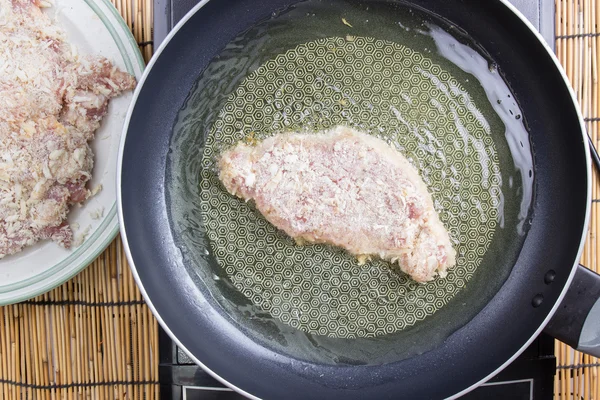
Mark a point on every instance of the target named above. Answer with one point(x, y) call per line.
point(94, 337)
point(578, 49)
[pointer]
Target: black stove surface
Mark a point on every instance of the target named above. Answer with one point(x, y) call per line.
point(168, 12)
point(530, 376)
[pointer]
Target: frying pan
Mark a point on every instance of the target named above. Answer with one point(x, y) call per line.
point(207, 263)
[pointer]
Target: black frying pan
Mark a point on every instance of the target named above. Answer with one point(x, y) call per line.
point(523, 274)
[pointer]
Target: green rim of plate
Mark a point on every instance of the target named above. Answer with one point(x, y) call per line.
point(110, 222)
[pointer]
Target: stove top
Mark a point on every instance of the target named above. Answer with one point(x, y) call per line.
point(531, 376)
point(168, 12)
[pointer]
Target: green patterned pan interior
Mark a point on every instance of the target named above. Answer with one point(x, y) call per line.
point(399, 75)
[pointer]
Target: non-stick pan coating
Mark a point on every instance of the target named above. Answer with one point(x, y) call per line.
point(467, 356)
point(317, 303)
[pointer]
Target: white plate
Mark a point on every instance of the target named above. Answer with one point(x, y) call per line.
point(95, 27)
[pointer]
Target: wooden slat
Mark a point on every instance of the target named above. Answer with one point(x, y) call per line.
point(577, 374)
point(63, 345)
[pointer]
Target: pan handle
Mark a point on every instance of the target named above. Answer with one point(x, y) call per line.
point(577, 320)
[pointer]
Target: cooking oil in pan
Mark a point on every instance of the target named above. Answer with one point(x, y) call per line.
point(392, 72)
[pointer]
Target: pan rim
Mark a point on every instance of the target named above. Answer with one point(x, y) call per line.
point(155, 312)
point(585, 227)
point(122, 228)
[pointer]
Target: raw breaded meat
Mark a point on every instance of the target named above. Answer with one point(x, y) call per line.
point(51, 102)
point(344, 188)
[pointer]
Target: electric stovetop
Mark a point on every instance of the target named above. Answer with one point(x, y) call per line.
point(168, 12)
point(531, 376)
